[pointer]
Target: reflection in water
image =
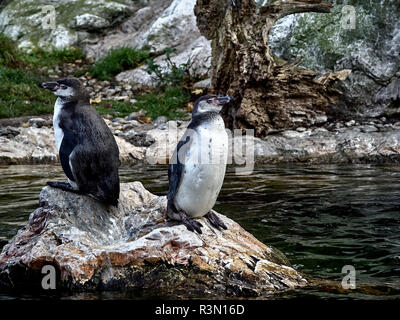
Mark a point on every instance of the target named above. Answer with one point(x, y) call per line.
point(320, 217)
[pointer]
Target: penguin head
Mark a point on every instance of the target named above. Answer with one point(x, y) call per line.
point(70, 89)
point(209, 103)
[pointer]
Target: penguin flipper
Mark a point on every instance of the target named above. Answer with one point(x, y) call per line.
point(175, 168)
point(68, 145)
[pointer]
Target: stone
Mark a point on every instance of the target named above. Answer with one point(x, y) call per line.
point(350, 123)
point(135, 115)
point(369, 48)
point(135, 246)
point(74, 18)
point(160, 120)
point(9, 132)
point(38, 122)
point(34, 145)
point(368, 128)
point(203, 84)
point(140, 139)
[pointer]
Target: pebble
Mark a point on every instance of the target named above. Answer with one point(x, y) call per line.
point(127, 126)
point(135, 115)
point(37, 122)
point(368, 128)
point(160, 120)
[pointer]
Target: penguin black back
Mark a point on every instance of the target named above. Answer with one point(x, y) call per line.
point(88, 151)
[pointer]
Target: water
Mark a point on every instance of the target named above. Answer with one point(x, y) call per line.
point(321, 217)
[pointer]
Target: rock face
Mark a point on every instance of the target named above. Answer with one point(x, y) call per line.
point(23, 20)
point(363, 37)
point(97, 248)
point(99, 26)
point(34, 145)
point(348, 142)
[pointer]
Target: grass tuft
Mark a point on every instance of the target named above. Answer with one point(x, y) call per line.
point(163, 102)
point(21, 96)
point(117, 61)
point(114, 108)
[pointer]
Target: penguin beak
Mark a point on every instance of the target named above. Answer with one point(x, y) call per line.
point(224, 100)
point(53, 86)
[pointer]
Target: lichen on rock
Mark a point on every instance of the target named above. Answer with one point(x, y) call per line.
point(331, 42)
point(94, 247)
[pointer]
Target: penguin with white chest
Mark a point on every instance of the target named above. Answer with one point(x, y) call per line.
point(88, 152)
point(197, 168)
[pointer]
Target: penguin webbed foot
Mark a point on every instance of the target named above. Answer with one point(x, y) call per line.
point(190, 224)
point(63, 186)
point(215, 221)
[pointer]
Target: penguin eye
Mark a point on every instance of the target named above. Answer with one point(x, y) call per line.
point(63, 87)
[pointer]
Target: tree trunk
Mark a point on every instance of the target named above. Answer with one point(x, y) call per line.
point(268, 96)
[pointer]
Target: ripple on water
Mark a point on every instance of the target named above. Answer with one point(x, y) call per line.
point(321, 217)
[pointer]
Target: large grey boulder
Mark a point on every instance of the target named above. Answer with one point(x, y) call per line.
point(370, 48)
point(23, 20)
point(93, 247)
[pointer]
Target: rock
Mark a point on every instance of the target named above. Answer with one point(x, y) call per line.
point(369, 48)
point(38, 122)
point(141, 139)
point(34, 145)
point(9, 132)
point(89, 21)
point(203, 84)
point(355, 144)
point(136, 115)
point(368, 128)
point(22, 21)
point(160, 120)
point(350, 123)
point(198, 55)
point(135, 247)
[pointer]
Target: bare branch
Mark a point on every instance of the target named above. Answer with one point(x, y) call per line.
point(280, 9)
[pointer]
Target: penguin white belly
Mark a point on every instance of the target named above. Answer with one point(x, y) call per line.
point(58, 133)
point(204, 170)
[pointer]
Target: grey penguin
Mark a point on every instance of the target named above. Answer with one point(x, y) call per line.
point(197, 167)
point(89, 154)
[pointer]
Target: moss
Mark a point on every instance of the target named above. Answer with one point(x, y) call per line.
point(117, 61)
point(321, 40)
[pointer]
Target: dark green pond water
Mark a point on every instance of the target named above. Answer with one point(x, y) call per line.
point(321, 217)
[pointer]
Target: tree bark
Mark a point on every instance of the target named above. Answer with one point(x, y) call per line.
point(269, 96)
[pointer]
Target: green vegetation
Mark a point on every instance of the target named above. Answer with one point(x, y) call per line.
point(117, 61)
point(114, 108)
point(20, 94)
point(20, 75)
point(50, 58)
point(173, 89)
point(172, 75)
point(163, 102)
point(9, 53)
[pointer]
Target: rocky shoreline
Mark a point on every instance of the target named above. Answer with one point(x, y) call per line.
point(376, 140)
point(134, 246)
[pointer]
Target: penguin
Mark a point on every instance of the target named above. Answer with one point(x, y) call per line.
point(197, 167)
point(89, 154)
